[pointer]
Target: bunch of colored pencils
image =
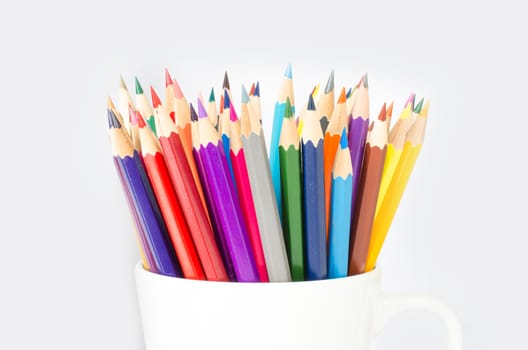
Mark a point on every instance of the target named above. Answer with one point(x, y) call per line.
point(207, 204)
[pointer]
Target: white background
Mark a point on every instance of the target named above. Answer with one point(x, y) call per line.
point(67, 249)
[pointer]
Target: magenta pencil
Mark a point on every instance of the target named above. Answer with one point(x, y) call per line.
point(223, 199)
point(238, 161)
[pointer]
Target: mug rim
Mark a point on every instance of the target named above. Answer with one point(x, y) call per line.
point(375, 273)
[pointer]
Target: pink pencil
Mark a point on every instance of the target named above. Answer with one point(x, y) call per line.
point(238, 161)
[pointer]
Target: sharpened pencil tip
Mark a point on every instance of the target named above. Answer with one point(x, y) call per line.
point(194, 116)
point(202, 113)
point(252, 89)
point(132, 116)
point(227, 100)
point(226, 84)
point(425, 109)
point(344, 139)
point(168, 78)
point(212, 96)
point(109, 103)
point(139, 88)
point(288, 113)
point(342, 96)
point(410, 100)
point(330, 83)
point(140, 120)
point(232, 113)
point(288, 71)
point(156, 102)
point(122, 84)
point(389, 110)
point(257, 90)
point(221, 108)
point(349, 93)
point(177, 90)
point(383, 113)
point(419, 106)
point(113, 122)
point(365, 81)
point(311, 103)
point(245, 96)
point(315, 90)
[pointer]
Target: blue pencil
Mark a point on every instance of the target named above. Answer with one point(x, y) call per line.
point(278, 116)
point(340, 208)
point(314, 195)
point(224, 129)
point(133, 172)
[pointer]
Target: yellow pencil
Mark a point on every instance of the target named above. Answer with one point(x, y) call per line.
point(383, 221)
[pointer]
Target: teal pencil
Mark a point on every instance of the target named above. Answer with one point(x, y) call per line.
point(278, 115)
point(340, 209)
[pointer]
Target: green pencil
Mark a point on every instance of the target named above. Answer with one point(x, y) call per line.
point(290, 174)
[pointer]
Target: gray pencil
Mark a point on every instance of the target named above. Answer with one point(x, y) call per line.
point(266, 209)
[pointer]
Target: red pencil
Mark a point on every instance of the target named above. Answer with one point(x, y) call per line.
point(168, 203)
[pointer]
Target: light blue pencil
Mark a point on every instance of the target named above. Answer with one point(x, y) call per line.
point(340, 208)
point(278, 116)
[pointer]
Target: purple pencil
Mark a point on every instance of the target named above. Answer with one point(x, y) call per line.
point(223, 199)
point(357, 135)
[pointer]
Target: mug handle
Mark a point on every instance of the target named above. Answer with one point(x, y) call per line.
point(388, 305)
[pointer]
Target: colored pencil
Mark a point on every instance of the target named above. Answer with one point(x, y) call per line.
point(131, 168)
point(278, 115)
point(325, 105)
point(192, 207)
point(134, 128)
point(416, 111)
point(368, 188)
point(313, 194)
point(389, 115)
point(143, 106)
point(111, 106)
point(339, 237)
point(395, 145)
point(211, 109)
point(223, 129)
point(213, 214)
point(124, 100)
point(352, 96)
point(358, 126)
point(170, 208)
point(169, 95)
point(259, 174)
point(238, 160)
point(291, 186)
point(254, 98)
point(300, 121)
point(331, 144)
point(223, 198)
point(383, 221)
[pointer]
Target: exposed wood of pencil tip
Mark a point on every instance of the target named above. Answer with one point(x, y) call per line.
point(377, 135)
point(289, 136)
point(312, 129)
point(343, 162)
point(416, 132)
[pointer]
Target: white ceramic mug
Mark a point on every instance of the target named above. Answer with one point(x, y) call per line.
point(331, 314)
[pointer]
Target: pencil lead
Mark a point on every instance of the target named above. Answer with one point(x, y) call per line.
point(221, 108)
point(156, 102)
point(194, 116)
point(410, 100)
point(344, 139)
point(315, 90)
point(245, 96)
point(140, 121)
point(342, 96)
point(311, 103)
point(168, 78)
point(122, 84)
point(288, 71)
point(226, 85)
point(288, 113)
point(349, 93)
point(359, 83)
point(252, 90)
point(365, 81)
point(113, 122)
point(202, 113)
point(177, 90)
point(419, 106)
point(227, 100)
point(425, 109)
point(139, 89)
point(383, 113)
point(257, 90)
point(389, 110)
point(232, 113)
point(132, 116)
point(330, 83)
point(212, 96)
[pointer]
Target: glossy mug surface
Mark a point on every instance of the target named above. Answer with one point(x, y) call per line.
point(331, 314)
